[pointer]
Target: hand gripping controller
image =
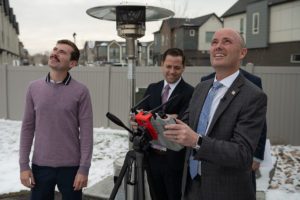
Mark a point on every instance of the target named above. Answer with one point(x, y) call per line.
point(159, 125)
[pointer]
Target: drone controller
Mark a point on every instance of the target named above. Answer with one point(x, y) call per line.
point(159, 122)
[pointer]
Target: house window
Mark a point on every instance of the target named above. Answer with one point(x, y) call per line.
point(255, 23)
point(208, 36)
point(295, 58)
point(242, 26)
point(192, 33)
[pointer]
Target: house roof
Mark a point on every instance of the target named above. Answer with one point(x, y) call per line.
point(180, 22)
point(106, 43)
point(199, 21)
point(241, 6)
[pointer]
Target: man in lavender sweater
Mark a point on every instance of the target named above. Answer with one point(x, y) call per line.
point(58, 118)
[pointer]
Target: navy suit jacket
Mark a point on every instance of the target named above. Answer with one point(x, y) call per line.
point(178, 105)
point(259, 152)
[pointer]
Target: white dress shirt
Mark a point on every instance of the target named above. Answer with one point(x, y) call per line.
point(227, 82)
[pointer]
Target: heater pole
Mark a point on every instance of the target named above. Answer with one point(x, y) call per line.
point(130, 44)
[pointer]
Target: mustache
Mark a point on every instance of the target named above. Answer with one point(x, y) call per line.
point(55, 57)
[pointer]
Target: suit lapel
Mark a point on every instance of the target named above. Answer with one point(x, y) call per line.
point(157, 95)
point(177, 91)
point(231, 93)
point(177, 88)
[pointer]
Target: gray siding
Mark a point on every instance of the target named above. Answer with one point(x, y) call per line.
point(157, 41)
point(109, 90)
point(190, 42)
point(277, 54)
point(179, 38)
point(261, 39)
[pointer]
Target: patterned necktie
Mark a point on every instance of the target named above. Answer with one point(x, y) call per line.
point(202, 125)
point(165, 94)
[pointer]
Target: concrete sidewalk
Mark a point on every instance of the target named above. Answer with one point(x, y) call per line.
point(102, 190)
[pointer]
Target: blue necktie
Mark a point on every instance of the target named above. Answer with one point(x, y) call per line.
point(202, 124)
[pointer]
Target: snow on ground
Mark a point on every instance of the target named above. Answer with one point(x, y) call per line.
point(285, 183)
point(110, 144)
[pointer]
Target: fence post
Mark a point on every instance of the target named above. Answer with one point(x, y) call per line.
point(4, 95)
point(108, 73)
point(250, 67)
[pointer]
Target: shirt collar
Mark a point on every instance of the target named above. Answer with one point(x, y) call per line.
point(66, 81)
point(172, 85)
point(227, 82)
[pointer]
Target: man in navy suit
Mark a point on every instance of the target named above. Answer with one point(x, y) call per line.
point(258, 155)
point(166, 166)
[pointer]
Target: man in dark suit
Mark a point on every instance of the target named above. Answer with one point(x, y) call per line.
point(224, 125)
point(166, 166)
point(258, 156)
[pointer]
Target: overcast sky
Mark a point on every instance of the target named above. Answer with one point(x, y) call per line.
point(42, 23)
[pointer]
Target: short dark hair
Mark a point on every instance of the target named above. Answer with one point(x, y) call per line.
point(75, 54)
point(174, 52)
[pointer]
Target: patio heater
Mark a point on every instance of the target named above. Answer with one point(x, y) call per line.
point(130, 20)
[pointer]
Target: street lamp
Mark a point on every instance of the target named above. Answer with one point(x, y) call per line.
point(130, 21)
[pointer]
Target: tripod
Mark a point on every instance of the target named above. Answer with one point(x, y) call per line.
point(135, 164)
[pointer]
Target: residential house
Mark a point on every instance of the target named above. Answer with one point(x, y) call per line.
point(9, 31)
point(192, 35)
point(271, 29)
point(145, 53)
point(100, 53)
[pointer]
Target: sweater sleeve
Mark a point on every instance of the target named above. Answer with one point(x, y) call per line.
point(85, 117)
point(27, 132)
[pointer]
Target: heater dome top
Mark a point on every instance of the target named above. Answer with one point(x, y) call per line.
point(109, 12)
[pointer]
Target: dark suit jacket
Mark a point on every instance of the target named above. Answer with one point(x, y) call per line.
point(260, 150)
point(176, 106)
point(227, 149)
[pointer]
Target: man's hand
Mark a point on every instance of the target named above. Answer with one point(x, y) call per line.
point(255, 165)
point(27, 178)
point(181, 133)
point(80, 181)
point(132, 122)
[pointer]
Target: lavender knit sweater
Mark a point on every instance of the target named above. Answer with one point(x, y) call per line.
point(59, 118)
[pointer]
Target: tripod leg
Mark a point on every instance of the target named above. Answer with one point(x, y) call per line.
point(120, 178)
point(140, 176)
point(130, 183)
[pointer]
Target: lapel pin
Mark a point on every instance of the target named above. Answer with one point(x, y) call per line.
point(233, 92)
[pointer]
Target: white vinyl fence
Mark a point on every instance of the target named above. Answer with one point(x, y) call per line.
point(110, 89)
